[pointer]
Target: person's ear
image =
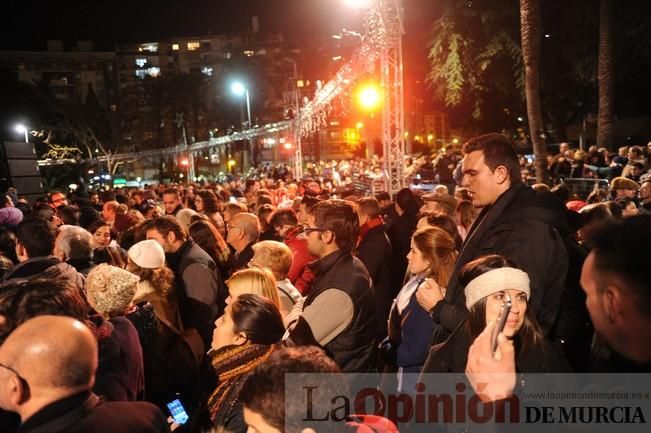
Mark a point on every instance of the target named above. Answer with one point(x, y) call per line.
point(308, 430)
point(328, 237)
point(171, 237)
point(501, 174)
point(613, 303)
point(16, 391)
point(20, 250)
point(240, 339)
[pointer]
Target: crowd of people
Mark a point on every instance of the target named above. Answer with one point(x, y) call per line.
point(115, 303)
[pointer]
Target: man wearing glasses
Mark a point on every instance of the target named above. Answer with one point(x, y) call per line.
point(242, 231)
point(339, 312)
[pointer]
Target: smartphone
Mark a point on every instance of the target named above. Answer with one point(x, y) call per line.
point(501, 321)
point(177, 411)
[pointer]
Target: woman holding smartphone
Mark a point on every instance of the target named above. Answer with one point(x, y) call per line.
point(489, 282)
point(244, 337)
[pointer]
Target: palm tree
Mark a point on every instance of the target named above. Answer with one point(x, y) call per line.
point(605, 123)
point(530, 32)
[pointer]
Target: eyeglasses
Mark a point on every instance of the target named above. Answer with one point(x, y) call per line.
point(228, 227)
point(21, 378)
point(308, 230)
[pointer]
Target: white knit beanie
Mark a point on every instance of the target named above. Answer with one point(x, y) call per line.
point(495, 281)
point(147, 254)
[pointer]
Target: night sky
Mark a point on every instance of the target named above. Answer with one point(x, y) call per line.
point(106, 22)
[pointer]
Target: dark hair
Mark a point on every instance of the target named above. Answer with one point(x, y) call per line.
point(382, 196)
point(498, 151)
point(561, 192)
point(206, 235)
point(340, 218)
point(258, 318)
point(369, 206)
point(447, 223)
point(309, 201)
point(23, 300)
point(172, 191)
point(621, 250)
point(166, 224)
point(100, 223)
point(407, 201)
point(69, 215)
point(262, 213)
point(36, 236)
point(529, 336)
point(210, 201)
point(8, 244)
point(622, 202)
point(264, 391)
point(285, 216)
point(111, 255)
point(466, 212)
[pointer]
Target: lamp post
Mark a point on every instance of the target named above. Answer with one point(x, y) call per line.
point(238, 88)
point(22, 129)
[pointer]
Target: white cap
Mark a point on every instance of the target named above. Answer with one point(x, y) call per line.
point(147, 254)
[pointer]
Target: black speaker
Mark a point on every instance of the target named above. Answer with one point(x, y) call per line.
point(19, 169)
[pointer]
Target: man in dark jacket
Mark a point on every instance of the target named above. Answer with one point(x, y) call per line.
point(34, 247)
point(201, 293)
point(525, 226)
point(374, 250)
point(47, 368)
point(339, 312)
point(400, 232)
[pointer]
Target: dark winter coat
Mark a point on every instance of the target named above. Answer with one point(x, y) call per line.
point(49, 267)
point(528, 228)
point(374, 251)
point(85, 413)
point(120, 372)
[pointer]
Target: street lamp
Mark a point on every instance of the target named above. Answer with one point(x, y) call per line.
point(22, 129)
point(238, 88)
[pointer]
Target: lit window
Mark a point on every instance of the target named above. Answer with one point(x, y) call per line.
point(194, 45)
point(141, 73)
point(141, 61)
point(334, 123)
point(300, 83)
point(227, 55)
point(207, 70)
point(175, 47)
point(153, 71)
point(249, 53)
point(152, 48)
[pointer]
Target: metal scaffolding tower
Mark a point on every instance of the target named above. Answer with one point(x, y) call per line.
point(393, 116)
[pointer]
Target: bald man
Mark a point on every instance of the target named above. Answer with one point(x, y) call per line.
point(47, 371)
point(243, 231)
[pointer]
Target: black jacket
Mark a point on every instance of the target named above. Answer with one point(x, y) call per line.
point(528, 228)
point(400, 236)
point(84, 412)
point(374, 251)
point(452, 356)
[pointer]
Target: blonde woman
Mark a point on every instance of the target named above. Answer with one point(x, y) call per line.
point(258, 281)
point(431, 261)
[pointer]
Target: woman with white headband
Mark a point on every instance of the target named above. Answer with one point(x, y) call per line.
point(488, 282)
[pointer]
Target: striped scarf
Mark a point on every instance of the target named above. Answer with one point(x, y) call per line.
point(232, 365)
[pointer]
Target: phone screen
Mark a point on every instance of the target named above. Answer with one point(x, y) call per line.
point(177, 411)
